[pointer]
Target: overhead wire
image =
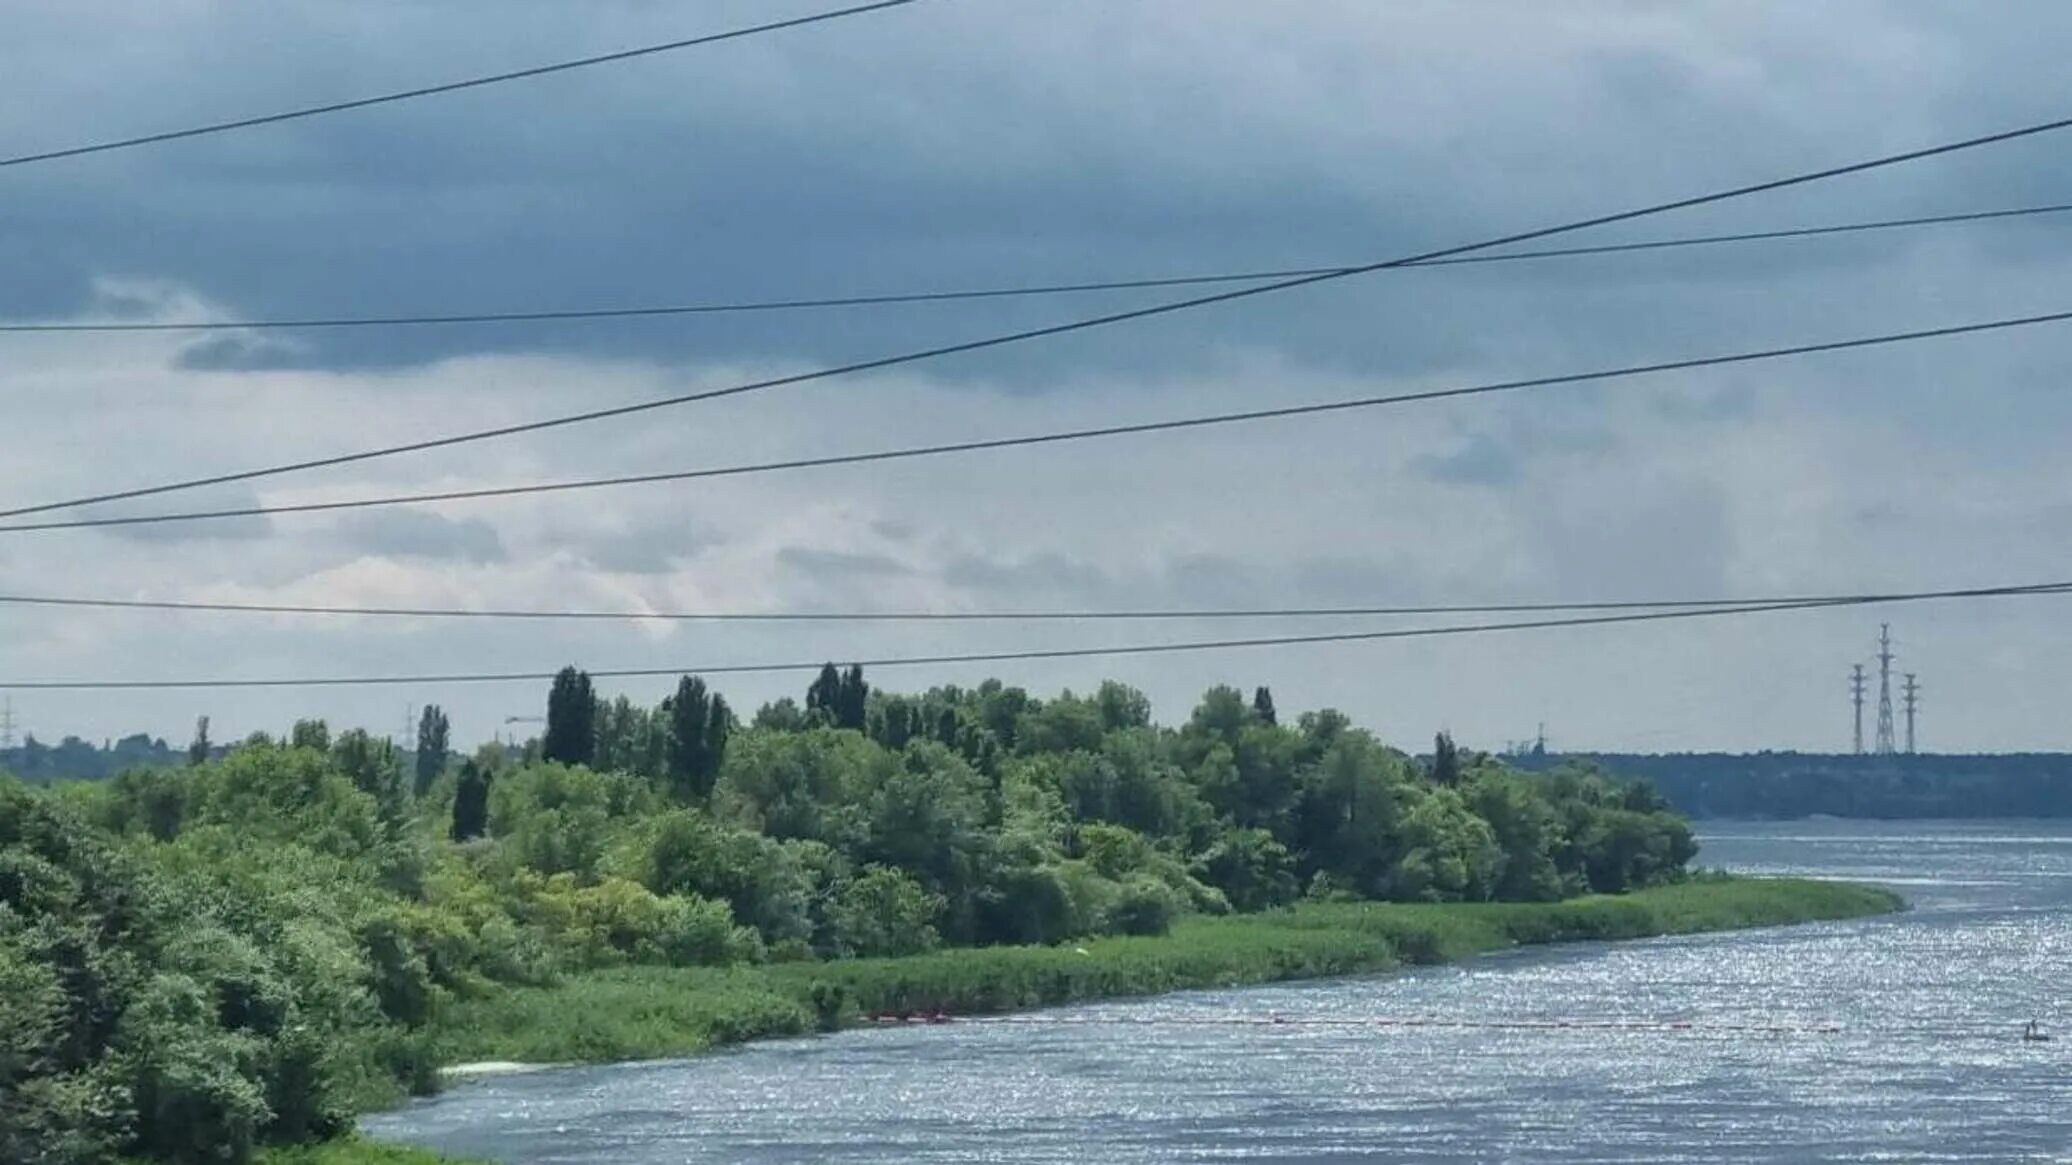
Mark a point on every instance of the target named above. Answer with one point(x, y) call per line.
point(449, 86)
point(1025, 335)
point(1052, 438)
point(1147, 614)
point(1136, 649)
point(650, 311)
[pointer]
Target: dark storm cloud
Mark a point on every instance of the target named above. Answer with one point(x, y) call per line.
point(681, 180)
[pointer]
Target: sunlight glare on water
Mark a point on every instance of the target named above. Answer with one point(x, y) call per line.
point(1927, 1066)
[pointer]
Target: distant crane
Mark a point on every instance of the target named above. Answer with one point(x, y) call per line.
point(7, 724)
point(510, 720)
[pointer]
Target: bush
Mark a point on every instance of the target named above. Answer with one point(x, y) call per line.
point(1144, 906)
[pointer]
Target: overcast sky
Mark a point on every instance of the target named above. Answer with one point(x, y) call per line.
point(981, 142)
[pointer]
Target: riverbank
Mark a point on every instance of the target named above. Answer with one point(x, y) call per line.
point(649, 1013)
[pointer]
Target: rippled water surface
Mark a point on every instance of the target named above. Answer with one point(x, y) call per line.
point(1926, 1066)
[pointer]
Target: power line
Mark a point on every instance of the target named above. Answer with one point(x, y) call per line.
point(893, 298)
point(1052, 438)
point(1102, 615)
point(1084, 324)
point(1044, 654)
point(448, 87)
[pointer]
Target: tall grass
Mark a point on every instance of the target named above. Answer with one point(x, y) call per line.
point(351, 1152)
point(640, 1013)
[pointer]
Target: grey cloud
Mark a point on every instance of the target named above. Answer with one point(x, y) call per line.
point(238, 352)
point(1214, 580)
point(1339, 579)
point(1670, 539)
point(649, 546)
point(241, 529)
point(1480, 460)
point(418, 534)
point(1730, 402)
point(807, 560)
point(1047, 573)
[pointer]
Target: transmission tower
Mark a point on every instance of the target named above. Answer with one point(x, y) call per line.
point(1913, 702)
point(1885, 747)
point(7, 724)
point(1856, 698)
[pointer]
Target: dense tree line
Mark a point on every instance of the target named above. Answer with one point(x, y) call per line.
point(73, 759)
point(1796, 784)
point(197, 960)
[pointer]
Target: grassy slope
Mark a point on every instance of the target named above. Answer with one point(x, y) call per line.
point(652, 1012)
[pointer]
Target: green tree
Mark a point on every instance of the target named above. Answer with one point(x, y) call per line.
point(314, 734)
point(884, 911)
point(761, 880)
point(824, 695)
point(470, 802)
point(1349, 819)
point(571, 737)
point(198, 751)
point(433, 740)
point(852, 699)
point(1122, 706)
point(1446, 766)
point(800, 784)
point(1065, 724)
point(719, 732)
point(1262, 706)
point(1447, 853)
point(629, 739)
point(927, 815)
point(1253, 871)
point(1527, 831)
point(374, 769)
point(781, 715)
point(691, 762)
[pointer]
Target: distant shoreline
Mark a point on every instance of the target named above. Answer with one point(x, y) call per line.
point(1789, 786)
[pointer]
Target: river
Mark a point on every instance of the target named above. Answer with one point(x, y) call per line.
point(1925, 1065)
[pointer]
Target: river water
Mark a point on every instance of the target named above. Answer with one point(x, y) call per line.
point(1926, 1065)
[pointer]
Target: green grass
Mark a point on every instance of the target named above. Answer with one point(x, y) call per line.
point(351, 1152)
point(644, 1013)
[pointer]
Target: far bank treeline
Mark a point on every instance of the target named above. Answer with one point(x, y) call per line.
point(1801, 784)
point(196, 961)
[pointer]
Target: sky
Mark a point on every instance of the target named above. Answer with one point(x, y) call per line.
point(967, 143)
